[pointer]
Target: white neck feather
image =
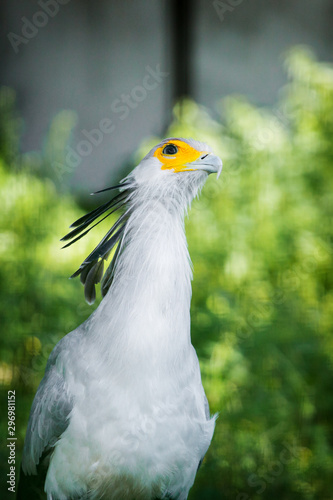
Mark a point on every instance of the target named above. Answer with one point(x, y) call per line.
point(147, 309)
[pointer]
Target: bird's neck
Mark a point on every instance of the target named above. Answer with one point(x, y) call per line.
point(148, 303)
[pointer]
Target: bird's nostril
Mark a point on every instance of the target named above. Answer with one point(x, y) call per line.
point(204, 156)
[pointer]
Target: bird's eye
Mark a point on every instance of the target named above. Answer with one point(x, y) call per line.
point(170, 149)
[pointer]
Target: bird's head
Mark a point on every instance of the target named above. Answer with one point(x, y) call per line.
point(171, 173)
point(169, 160)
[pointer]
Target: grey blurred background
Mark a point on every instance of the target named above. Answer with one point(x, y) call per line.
point(121, 65)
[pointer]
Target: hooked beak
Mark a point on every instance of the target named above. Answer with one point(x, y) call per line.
point(208, 163)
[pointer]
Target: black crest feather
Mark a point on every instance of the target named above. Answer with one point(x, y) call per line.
point(92, 268)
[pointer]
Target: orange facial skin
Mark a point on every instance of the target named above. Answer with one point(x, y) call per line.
point(178, 162)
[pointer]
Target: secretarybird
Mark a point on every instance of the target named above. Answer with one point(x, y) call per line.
point(121, 413)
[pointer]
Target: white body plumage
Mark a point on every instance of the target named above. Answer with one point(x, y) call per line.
point(139, 425)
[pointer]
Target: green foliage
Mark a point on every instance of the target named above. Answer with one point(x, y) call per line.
point(262, 306)
point(261, 243)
